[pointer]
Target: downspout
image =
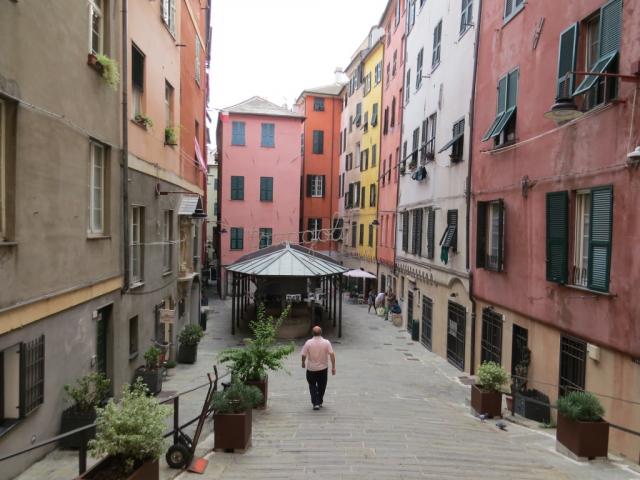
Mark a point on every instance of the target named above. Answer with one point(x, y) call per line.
point(125, 150)
point(468, 220)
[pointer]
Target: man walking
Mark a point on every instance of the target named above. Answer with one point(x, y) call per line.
point(315, 354)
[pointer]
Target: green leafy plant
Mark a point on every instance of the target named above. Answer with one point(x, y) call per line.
point(131, 430)
point(89, 391)
point(491, 376)
point(191, 335)
point(152, 357)
point(237, 398)
point(171, 135)
point(252, 362)
point(110, 71)
point(580, 406)
point(170, 364)
point(142, 119)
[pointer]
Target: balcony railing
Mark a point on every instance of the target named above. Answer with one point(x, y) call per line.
point(580, 276)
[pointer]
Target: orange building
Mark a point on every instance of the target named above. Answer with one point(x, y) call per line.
point(320, 144)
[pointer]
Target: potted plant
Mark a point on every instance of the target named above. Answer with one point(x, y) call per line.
point(232, 415)
point(87, 394)
point(130, 434)
point(189, 339)
point(170, 365)
point(150, 372)
point(581, 428)
point(143, 120)
point(251, 363)
point(106, 67)
point(486, 394)
point(171, 135)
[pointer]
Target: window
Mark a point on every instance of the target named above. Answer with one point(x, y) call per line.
point(97, 190)
point(503, 128)
point(367, 84)
point(167, 241)
point(419, 69)
point(573, 359)
point(374, 155)
point(237, 238)
point(169, 14)
point(266, 189)
point(197, 60)
point(408, 87)
point(411, 17)
point(405, 231)
point(374, 115)
point(456, 143)
point(354, 227)
point(358, 118)
point(357, 155)
point(318, 141)
point(361, 237)
point(364, 160)
point(512, 7)
point(366, 122)
point(437, 39)
point(372, 195)
point(314, 227)
point(449, 240)
point(431, 135)
point(96, 31)
point(266, 237)
point(378, 73)
point(431, 228)
point(416, 232)
point(466, 15)
point(237, 133)
point(237, 188)
point(350, 123)
point(491, 342)
point(363, 196)
point(395, 62)
point(316, 186)
point(393, 111)
point(268, 137)
point(414, 148)
point(318, 104)
point(490, 235)
point(397, 15)
point(133, 337)
point(456, 334)
point(136, 234)
point(168, 104)
point(371, 235)
point(385, 121)
point(338, 224)
point(137, 80)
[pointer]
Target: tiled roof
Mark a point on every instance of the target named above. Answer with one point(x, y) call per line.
point(260, 106)
point(333, 89)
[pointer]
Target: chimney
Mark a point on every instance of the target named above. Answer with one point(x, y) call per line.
point(340, 76)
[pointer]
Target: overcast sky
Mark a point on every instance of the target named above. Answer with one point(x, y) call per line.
point(277, 48)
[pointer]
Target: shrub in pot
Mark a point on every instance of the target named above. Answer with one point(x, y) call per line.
point(486, 394)
point(150, 373)
point(581, 428)
point(130, 436)
point(87, 394)
point(232, 415)
point(189, 339)
point(251, 363)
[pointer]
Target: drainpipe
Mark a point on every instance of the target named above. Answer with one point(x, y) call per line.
point(471, 114)
point(125, 150)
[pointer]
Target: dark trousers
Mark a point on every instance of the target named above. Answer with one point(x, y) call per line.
point(317, 385)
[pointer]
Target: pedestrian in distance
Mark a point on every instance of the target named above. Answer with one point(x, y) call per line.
point(371, 300)
point(380, 300)
point(316, 353)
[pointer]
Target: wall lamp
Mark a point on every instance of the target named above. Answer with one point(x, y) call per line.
point(375, 222)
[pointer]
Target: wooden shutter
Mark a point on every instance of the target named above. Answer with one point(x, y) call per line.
point(418, 234)
point(610, 27)
point(431, 222)
point(31, 389)
point(568, 50)
point(481, 234)
point(500, 235)
point(405, 231)
point(600, 238)
point(557, 236)
point(309, 184)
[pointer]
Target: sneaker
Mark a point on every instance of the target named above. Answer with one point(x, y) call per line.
point(316, 407)
point(320, 405)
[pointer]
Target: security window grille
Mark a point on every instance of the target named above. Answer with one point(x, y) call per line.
point(503, 128)
point(354, 227)
point(268, 135)
point(237, 133)
point(318, 141)
point(237, 188)
point(427, 322)
point(419, 62)
point(197, 66)
point(466, 15)
point(405, 231)
point(266, 237)
point(266, 189)
point(512, 7)
point(315, 186)
point(371, 236)
point(133, 337)
point(573, 358)
point(169, 14)
point(237, 238)
point(137, 79)
point(491, 342)
point(490, 235)
point(318, 104)
point(449, 238)
point(167, 239)
point(437, 40)
point(96, 22)
point(31, 393)
point(361, 237)
point(97, 193)
point(136, 234)
point(456, 334)
point(374, 115)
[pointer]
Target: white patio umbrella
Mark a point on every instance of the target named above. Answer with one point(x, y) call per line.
point(358, 273)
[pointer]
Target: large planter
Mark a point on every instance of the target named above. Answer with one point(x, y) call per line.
point(533, 405)
point(187, 353)
point(486, 403)
point(73, 418)
point(232, 431)
point(151, 378)
point(104, 470)
point(263, 386)
point(583, 439)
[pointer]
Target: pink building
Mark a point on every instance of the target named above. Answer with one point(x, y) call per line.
point(260, 172)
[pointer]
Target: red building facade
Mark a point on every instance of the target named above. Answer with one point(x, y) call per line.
point(553, 205)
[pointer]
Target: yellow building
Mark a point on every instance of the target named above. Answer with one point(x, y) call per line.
point(370, 156)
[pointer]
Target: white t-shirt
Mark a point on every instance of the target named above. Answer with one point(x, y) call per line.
point(317, 350)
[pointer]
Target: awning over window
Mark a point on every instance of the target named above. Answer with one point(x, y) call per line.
point(600, 67)
point(451, 142)
point(499, 123)
point(189, 204)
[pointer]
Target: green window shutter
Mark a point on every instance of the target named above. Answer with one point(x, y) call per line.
point(501, 107)
point(568, 50)
point(500, 235)
point(600, 238)
point(405, 231)
point(512, 89)
point(610, 27)
point(557, 236)
point(431, 222)
point(481, 234)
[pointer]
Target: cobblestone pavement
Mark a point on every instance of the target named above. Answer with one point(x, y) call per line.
point(393, 411)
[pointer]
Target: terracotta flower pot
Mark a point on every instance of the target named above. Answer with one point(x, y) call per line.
point(263, 386)
point(485, 402)
point(107, 467)
point(583, 439)
point(232, 430)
